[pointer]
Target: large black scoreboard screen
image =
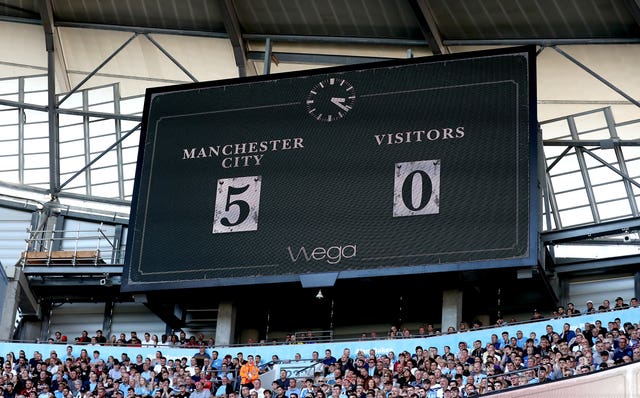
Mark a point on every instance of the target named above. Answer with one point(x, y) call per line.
point(400, 167)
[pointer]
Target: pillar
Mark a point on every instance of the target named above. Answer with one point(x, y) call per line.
point(226, 323)
point(451, 309)
point(9, 297)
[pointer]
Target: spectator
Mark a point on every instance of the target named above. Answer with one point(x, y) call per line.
point(620, 305)
point(182, 392)
point(100, 339)
point(292, 389)
point(257, 391)
point(536, 315)
point(200, 391)
point(572, 310)
point(605, 306)
point(201, 355)
point(9, 391)
point(57, 337)
point(84, 338)
point(328, 360)
point(147, 340)
point(225, 387)
point(249, 373)
point(216, 362)
point(567, 334)
point(623, 350)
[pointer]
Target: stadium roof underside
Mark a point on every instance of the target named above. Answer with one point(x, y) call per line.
point(86, 64)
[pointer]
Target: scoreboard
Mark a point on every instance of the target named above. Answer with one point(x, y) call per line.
point(400, 167)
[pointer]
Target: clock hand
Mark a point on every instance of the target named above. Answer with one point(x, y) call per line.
point(339, 102)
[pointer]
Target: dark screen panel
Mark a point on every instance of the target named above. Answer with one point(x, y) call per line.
point(410, 166)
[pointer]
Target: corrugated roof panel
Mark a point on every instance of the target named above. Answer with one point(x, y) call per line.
point(196, 15)
point(353, 18)
point(20, 8)
point(534, 19)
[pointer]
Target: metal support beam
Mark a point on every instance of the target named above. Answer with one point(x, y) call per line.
point(550, 204)
point(96, 270)
point(334, 40)
point(21, 123)
point(107, 320)
point(100, 115)
point(29, 304)
point(597, 76)
point(106, 61)
point(57, 230)
point(428, 26)
point(142, 30)
point(266, 69)
point(559, 158)
point(598, 143)
point(584, 172)
point(118, 131)
point(323, 59)
point(549, 279)
point(622, 163)
point(124, 137)
point(625, 176)
point(53, 38)
point(45, 322)
point(540, 42)
point(598, 265)
point(20, 104)
point(591, 231)
point(168, 55)
point(46, 14)
point(232, 26)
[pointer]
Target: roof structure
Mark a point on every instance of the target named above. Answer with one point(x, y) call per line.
point(73, 74)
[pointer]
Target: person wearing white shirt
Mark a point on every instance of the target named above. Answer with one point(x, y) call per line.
point(257, 388)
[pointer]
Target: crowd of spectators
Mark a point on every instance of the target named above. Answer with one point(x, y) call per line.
point(418, 372)
point(149, 340)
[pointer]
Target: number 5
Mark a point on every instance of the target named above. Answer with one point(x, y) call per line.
point(237, 204)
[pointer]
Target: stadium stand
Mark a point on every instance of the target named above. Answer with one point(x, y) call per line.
point(460, 364)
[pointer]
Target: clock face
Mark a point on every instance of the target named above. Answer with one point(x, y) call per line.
point(331, 99)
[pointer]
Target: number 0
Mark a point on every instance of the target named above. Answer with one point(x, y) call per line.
point(417, 181)
point(416, 188)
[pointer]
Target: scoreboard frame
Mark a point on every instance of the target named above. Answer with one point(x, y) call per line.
point(241, 204)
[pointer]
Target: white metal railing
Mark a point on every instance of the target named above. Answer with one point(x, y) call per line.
point(64, 247)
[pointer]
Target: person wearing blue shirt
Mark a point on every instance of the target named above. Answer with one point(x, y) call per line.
point(567, 334)
point(328, 360)
point(623, 350)
point(293, 389)
point(520, 339)
point(215, 361)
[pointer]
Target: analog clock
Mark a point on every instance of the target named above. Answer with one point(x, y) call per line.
point(331, 99)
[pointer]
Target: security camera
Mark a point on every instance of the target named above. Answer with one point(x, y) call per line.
point(106, 282)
